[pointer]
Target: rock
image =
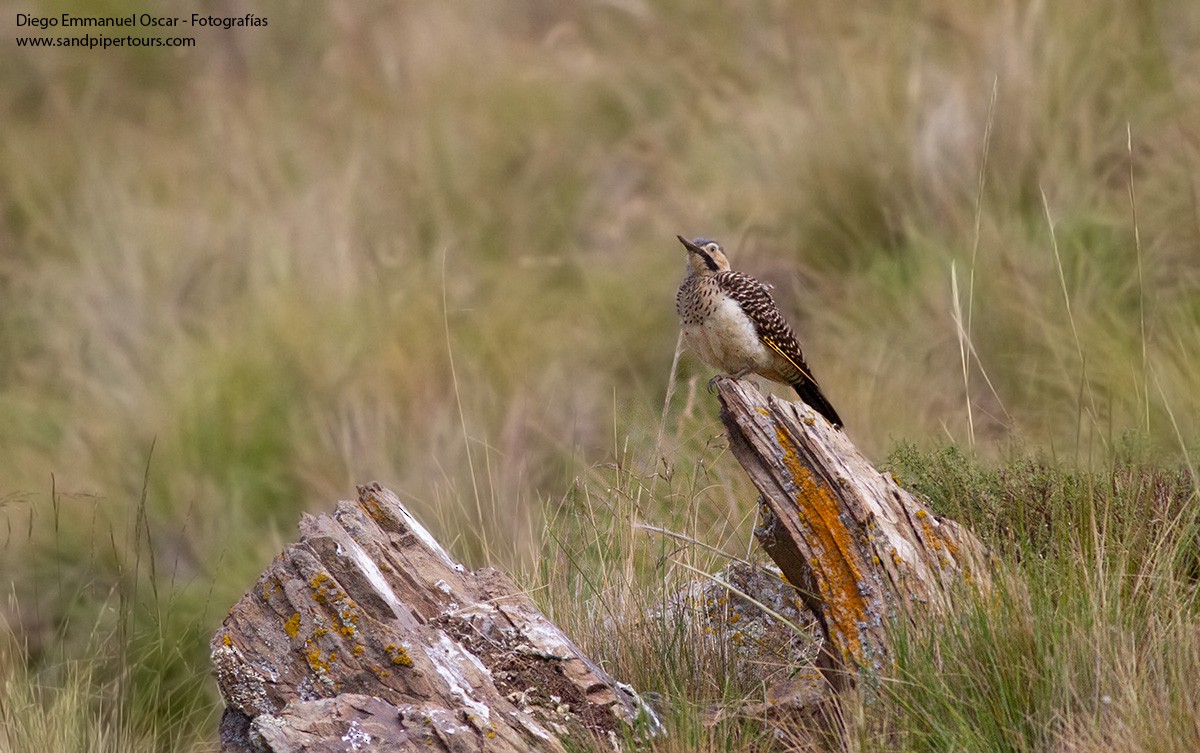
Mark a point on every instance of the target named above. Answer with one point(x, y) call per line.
point(366, 632)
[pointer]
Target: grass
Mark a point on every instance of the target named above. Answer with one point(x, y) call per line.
point(1089, 642)
point(434, 247)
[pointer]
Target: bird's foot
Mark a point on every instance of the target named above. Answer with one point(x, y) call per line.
point(712, 383)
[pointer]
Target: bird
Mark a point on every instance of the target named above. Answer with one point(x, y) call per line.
point(731, 322)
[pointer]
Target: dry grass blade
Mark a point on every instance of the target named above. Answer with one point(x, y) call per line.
point(1137, 249)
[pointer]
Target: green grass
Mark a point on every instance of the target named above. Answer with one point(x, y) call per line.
point(434, 246)
point(1088, 642)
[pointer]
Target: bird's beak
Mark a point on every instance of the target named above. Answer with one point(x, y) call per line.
point(688, 244)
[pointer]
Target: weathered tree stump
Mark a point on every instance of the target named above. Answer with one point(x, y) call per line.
point(861, 549)
point(367, 635)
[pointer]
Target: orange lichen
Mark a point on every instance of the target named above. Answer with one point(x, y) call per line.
point(398, 655)
point(840, 573)
point(320, 585)
point(313, 654)
point(348, 614)
point(358, 651)
point(372, 506)
point(292, 626)
point(951, 547)
point(326, 592)
point(933, 536)
point(225, 639)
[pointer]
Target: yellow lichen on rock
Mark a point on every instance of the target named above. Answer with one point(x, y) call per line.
point(312, 654)
point(318, 584)
point(349, 616)
point(398, 655)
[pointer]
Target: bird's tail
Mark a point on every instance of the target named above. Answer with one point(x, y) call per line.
point(810, 393)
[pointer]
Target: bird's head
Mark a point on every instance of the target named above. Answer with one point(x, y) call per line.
point(705, 257)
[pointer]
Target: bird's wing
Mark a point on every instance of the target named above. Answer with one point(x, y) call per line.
point(792, 359)
point(755, 299)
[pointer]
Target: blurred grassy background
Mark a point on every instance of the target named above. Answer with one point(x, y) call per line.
point(433, 244)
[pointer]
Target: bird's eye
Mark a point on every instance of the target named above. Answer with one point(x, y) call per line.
point(712, 247)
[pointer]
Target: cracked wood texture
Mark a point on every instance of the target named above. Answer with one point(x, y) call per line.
point(366, 635)
point(862, 549)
